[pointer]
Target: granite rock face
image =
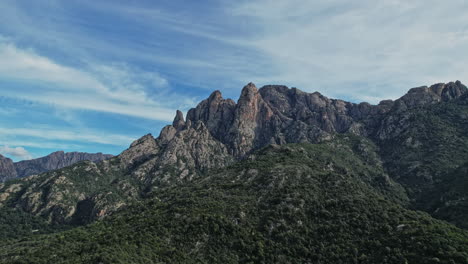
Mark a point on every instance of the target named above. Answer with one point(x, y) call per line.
point(219, 131)
point(140, 151)
point(193, 149)
point(424, 95)
point(398, 120)
point(181, 151)
point(216, 113)
point(270, 115)
point(276, 114)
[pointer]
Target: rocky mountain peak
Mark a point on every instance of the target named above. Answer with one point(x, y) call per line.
point(271, 114)
point(444, 91)
point(139, 151)
point(419, 96)
point(453, 90)
point(57, 153)
point(215, 112)
point(273, 89)
point(248, 103)
point(178, 122)
point(248, 93)
point(146, 139)
point(199, 149)
point(215, 96)
point(278, 114)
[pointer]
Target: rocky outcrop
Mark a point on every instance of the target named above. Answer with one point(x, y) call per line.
point(180, 153)
point(191, 151)
point(139, 151)
point(260, 117)
point(7, 169)
point(398, 120)
point(422, 96)
point(216, 113)
point(276, 114)
point(178, 122)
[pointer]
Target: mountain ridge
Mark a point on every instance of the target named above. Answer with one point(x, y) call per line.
point(217, 133)
point(274, 107)
point(53, 161)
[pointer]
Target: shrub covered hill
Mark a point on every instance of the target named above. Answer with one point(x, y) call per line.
point(281, 176)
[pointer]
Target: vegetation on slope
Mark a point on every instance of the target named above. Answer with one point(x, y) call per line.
point(301, 203)
point(15, 223)
point(449, 199)
point(426, 152)
point(77, 194)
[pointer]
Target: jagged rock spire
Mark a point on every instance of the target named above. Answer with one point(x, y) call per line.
point(248, 92)
point(178, 122)
point(216, 95)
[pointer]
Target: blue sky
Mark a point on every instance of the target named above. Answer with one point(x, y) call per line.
point(95, 75)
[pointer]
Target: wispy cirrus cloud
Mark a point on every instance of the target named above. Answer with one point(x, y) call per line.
point(341, 48)
point(116, 88)
point(203, 52)
point(67, 135)
point(362, 49)
point(48, 139)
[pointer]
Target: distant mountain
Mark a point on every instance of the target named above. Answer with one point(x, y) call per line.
point(53, 161)
point(7, 168)
point(280, 176)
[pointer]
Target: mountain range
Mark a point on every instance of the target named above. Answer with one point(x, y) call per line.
point(53, 161)
point(280, 176)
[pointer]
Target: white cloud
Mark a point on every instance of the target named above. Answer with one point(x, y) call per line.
point(66, 135)
point(192, 50)
point(42, 144)
point(17, 152)
point(360, 50)
point(373, 48)
point(181, 23)
point(108, 88)
point(26, 65)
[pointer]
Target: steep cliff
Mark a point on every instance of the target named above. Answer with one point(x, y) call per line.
point(7, 168)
